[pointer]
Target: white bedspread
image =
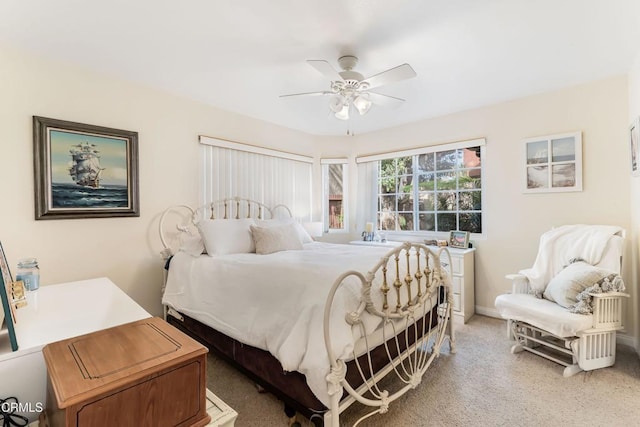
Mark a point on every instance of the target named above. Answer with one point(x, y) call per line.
point(275, 302)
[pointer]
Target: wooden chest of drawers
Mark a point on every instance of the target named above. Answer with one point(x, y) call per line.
point(145, 373)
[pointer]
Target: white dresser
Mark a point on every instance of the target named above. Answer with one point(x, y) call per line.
point(54, 313)
point(462, 276)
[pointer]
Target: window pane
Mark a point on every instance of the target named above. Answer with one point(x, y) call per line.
point(405, 221)
point(405, 184)
point(425, 203)
point(471, 157)
point(427, 222)
point(426, 182)
point(470, 178)
point(387, 220)
point(470, 201)
point(387, 185)
point(405, 166)
point(405, 202)
point(388, 203)
point(336, 214)
point(446, 160)
point(387, 168)
point(446, 222)
point(446, 201)
point(426, 162)
point(446, 180)
point(471, 222)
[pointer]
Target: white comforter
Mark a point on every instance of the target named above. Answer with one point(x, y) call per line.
point(275, 302)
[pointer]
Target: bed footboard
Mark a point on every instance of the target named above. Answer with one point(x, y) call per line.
point(408, 295)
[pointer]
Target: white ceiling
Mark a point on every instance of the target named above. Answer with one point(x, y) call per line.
point(241, 55)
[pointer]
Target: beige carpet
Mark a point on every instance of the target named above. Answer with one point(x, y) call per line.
point(483, 384)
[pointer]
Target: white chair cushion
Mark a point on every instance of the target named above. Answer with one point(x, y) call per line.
point(543, 314)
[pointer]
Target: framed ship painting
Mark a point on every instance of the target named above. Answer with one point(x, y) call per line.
point(84, 171)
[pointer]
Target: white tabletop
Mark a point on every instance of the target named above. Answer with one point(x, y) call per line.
point(58, 312)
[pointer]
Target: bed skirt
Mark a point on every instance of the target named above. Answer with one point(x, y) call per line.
point(263, 368)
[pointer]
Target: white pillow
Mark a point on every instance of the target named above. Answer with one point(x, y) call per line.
point(193, 245)
point(227, 236)
point(275, 239)
point(300, 231)
point(573, 279)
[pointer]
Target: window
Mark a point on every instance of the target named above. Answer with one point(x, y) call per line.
point(334, 182)
point(432, 191)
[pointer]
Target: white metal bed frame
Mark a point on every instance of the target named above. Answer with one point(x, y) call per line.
point(412, 277)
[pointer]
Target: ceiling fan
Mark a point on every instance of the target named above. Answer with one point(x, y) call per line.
point(349, 87)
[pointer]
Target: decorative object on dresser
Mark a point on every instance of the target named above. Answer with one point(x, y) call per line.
point(395, 317)
point(102, 180)
point(141, 373)
point(459, 239)
point(568, 306)
point(7, 311)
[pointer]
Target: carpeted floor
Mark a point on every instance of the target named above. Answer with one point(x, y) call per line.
point(483, 384)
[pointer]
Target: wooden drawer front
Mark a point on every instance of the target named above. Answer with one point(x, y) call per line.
point(151, 403)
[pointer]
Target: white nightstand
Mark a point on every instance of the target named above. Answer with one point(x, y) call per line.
point(462, 276)
point(54, 313)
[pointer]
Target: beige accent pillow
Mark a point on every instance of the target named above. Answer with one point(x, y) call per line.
point(303, 235)
point(564, 288)
point(275, 239)
point(227, 236)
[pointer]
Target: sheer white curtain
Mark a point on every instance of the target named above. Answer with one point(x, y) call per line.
point(230, 171)
point(367, 196)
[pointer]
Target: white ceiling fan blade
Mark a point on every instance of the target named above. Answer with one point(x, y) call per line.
point(385, 100)
point(401, 72)
point(321, 93)
point(325, 69)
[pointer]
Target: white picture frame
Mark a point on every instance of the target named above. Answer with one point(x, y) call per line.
point(553, 163)
point(634, 142)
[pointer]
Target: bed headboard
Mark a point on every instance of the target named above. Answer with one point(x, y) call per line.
point(178, 222)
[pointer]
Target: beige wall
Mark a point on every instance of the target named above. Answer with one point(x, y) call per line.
point(513, 221)
point(634, 113)
point(124, 249)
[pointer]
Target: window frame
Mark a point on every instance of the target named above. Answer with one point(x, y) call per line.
point(324, 163)
point(414, 153)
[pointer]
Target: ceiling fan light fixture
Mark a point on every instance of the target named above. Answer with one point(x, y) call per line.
point(362, 103)
point(344, 113)
point(337, 103)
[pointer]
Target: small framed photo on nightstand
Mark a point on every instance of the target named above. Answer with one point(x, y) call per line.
point(459, 239)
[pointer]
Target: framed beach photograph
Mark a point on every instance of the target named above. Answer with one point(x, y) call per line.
point(553, 163)
point(7, 313)
point(459, 239)
point(634, 140)
point(84, 171)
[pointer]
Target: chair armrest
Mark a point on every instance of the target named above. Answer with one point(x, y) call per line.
point(520, 283)
point(607, 310)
